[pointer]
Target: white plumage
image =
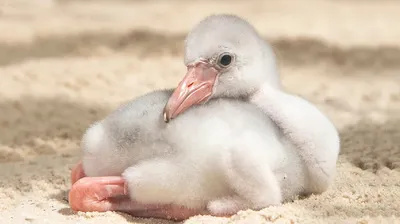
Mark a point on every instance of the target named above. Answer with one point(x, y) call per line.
point(250, 146)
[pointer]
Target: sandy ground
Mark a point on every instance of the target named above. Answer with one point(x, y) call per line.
point(66, 64)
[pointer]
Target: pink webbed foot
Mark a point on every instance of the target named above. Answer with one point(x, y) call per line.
point(101, 194)
point(96, 194)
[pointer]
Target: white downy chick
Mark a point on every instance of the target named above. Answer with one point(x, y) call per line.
point(226, 154)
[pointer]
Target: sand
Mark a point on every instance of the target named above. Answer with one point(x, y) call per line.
point(65, 64)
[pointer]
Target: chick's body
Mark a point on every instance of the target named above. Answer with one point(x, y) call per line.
point(211, 151)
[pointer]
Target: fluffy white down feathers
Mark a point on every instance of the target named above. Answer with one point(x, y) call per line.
point(228, 154)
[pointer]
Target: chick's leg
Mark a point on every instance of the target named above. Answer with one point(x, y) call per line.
point(101, 194)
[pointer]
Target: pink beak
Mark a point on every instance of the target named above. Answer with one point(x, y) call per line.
point(195, 88)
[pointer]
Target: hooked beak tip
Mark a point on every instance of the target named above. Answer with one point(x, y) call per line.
point(166, 120)
point(166, 117)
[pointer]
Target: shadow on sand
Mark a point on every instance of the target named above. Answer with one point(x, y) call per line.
point(372, 146)
point(28, 119)
point(295, 51)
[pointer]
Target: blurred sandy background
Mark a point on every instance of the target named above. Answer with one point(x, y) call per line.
point(65, 64)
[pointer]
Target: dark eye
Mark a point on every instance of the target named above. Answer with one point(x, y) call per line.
point(225, 60)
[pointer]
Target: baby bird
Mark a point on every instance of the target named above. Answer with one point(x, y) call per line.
point(227, 138)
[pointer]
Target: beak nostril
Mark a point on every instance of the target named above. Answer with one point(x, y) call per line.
point(190, 84)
